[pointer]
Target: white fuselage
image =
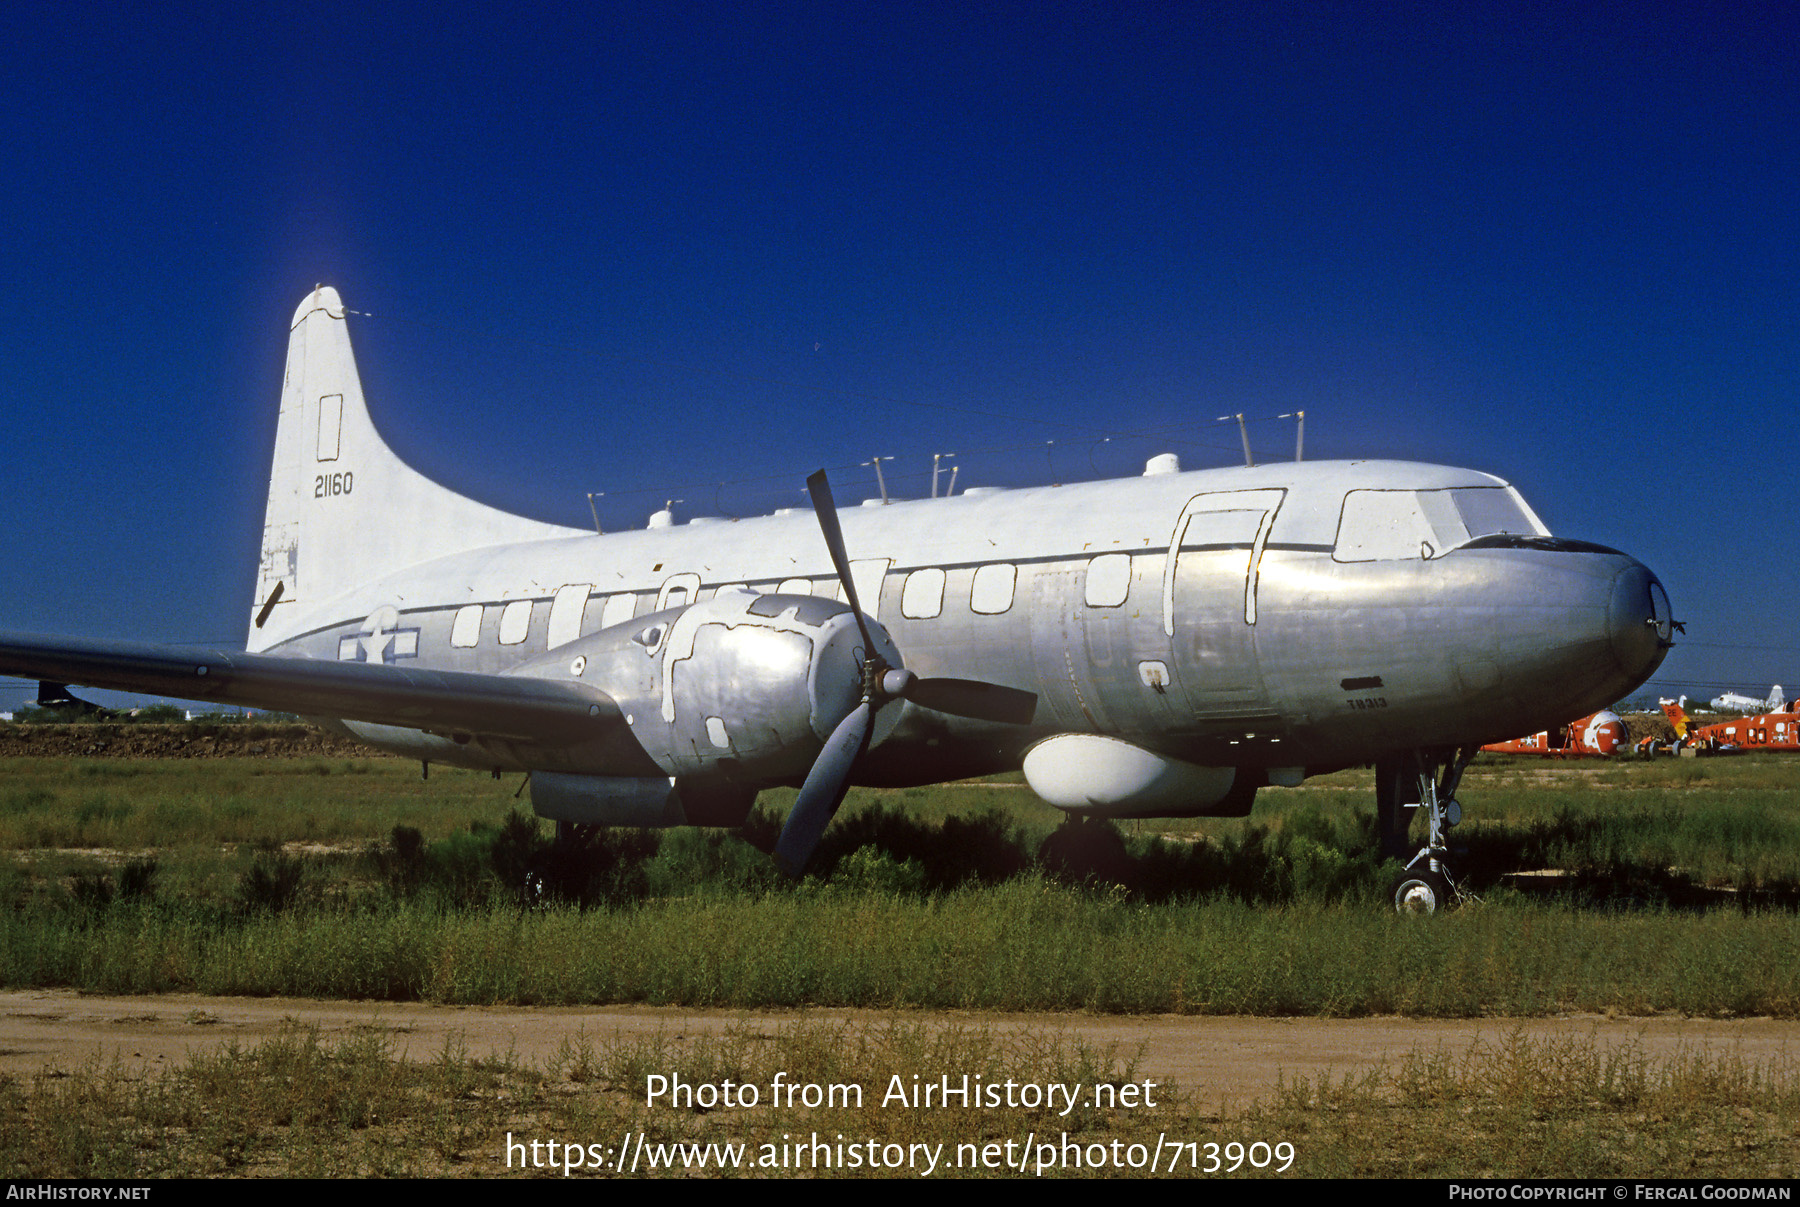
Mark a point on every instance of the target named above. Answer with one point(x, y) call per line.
point(1243, 617)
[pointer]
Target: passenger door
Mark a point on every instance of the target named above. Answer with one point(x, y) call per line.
point(1210, 584)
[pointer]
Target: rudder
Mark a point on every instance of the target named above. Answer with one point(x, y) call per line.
point(343, 508)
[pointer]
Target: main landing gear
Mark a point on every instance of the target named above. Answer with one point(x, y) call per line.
point(1424, 780)
point(557, 871)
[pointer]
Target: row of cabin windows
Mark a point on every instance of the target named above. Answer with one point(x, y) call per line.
point(921, 598)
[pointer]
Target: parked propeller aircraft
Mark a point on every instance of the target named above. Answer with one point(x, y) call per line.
point(1734, 702)
point(1164, 645)
point(1593, 736)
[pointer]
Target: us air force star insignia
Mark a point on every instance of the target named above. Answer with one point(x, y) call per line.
point(381, 639)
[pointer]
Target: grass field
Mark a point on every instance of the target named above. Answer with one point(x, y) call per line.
point(1674, 891)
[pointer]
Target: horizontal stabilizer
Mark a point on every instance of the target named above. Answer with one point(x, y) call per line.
point(57, 698)
point(539, 711)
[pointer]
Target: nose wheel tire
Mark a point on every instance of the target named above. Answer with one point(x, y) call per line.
point(1421, 893)
point(534, 891)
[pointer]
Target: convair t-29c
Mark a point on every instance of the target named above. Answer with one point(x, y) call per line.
point(1159, 646)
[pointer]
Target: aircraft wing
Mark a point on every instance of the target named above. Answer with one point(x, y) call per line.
point(533, 710)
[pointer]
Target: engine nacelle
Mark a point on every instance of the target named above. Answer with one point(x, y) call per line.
point(1098, 776)
point(740, 687)
point(649, 801)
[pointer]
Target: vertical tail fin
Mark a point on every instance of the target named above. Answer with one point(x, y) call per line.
point(343, 509)
point(1677, 718)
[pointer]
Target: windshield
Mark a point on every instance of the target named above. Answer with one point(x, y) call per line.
point(1379, 525)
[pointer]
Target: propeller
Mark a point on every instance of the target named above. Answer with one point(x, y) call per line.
point(829, 778)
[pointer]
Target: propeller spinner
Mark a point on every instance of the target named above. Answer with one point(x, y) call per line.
point(829, 778)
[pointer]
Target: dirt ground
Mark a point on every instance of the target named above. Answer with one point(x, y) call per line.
point(133, 740)
point(1228, 1062)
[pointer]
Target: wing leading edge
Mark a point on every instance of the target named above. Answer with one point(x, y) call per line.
point(518, 709)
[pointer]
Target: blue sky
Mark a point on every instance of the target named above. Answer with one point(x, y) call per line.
point(697, 250)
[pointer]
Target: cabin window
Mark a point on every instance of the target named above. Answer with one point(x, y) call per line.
point(868, 575)
point(565, 614)
point(465, 630)
point(992, 591)
point(1108, 580)
point(619, 608)
point(923, 595)
point(678, 591)
point(515, 622)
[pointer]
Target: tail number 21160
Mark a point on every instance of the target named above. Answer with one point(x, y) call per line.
point(327, 485)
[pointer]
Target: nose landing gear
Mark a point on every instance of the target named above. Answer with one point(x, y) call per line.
point(1423, 892)
point(1424, 780)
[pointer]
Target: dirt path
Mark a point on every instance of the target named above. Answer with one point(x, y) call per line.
point(1227, 1061)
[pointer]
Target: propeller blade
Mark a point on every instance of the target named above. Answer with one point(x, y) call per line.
point(823, 790)
point(825, 507)
point(829, 777)
point(975, 699)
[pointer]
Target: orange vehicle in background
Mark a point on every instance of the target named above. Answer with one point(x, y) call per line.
point(1765, 731)
point(1595, 736)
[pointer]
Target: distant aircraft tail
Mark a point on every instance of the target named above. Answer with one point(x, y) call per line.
point(1677, 718)
point(1777, 699)
point(343, 509)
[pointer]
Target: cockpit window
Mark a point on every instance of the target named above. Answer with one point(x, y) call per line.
point(1486, 510)
point(1381, 525)
point(1384, 525)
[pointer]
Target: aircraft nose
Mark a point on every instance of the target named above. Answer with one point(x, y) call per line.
point(1639, 621)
